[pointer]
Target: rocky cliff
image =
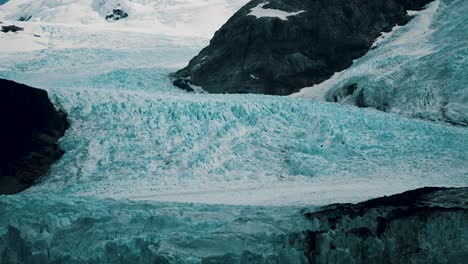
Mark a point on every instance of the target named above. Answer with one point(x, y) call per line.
point(278, 47)
point(31, 127)
point(427, 225)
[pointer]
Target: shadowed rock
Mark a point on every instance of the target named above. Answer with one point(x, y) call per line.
point(30, 128)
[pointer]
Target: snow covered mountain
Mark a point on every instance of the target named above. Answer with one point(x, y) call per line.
point(186, 17)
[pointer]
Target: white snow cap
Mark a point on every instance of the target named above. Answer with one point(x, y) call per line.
point(260, 12)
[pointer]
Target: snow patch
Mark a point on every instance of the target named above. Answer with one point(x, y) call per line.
point(254, 77)
point(197, 89)
point(260, 12)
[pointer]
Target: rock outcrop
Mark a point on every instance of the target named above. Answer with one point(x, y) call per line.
point(278, 47)
point(427, 225)
point(30, 129)
point(117, 14)
point(11, 28)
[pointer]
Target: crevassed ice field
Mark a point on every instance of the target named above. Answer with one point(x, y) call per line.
point(152, 172)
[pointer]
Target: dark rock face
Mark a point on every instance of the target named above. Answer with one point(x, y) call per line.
point(117, 14)
point(269, 55)
point(427, 225)
point(11, 28)
point(25, 18)
point(31, 127)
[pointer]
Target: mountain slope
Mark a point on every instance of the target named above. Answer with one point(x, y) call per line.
point(278, 47)
point(419, 70)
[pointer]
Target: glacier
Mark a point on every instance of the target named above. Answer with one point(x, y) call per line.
point(155, 174)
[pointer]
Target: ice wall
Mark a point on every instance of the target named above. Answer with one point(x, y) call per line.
point(53, 229)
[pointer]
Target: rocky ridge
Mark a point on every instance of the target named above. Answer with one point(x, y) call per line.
point(278, 47)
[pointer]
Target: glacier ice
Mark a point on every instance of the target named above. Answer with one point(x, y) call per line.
point(419, 70)
point(135, 136)
point(53, 229)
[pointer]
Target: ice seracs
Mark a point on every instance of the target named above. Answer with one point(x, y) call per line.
point(260, 12)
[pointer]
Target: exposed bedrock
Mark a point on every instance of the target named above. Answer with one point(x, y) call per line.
point(117, 14)
point(278, 47)
point(428, 225)
point(11, 28)
point(30, 129)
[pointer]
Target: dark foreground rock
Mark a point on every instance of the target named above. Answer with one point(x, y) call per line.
point(30, 128)
point(270, 55)
point(428, 225)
